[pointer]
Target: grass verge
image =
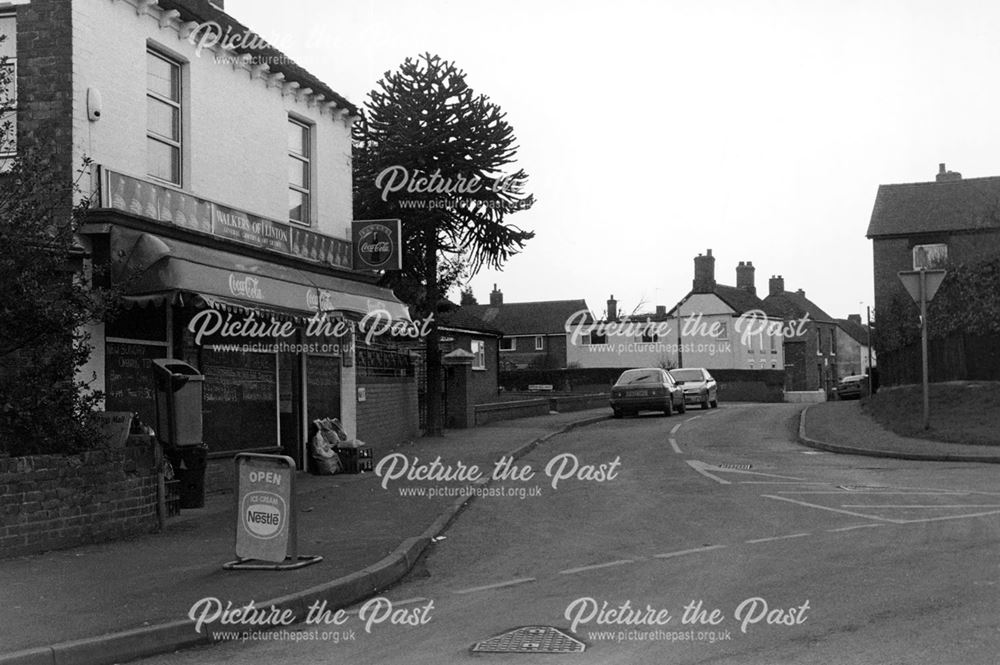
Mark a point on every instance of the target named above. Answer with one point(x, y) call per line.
point(961, 412)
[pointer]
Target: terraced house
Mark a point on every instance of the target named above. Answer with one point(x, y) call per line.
point(221, 177)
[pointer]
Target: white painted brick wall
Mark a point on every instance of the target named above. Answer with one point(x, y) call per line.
point(235, 134)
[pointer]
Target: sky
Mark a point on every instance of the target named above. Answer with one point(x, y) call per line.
point(652, 131)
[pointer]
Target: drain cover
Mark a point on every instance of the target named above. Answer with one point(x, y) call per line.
point(531, 639)
point(739, 467)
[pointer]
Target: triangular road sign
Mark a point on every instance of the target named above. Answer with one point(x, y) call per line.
point(911, 280)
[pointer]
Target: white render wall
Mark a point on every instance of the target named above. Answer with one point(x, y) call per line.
point(235, 127)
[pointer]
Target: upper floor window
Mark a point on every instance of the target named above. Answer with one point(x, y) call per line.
point(479, 354)
point(507, 344)
point(774, 342)
point(8, 89)
point(163, 118)
point(539, 343)
point(648, 336)
point(299, 172)
point(833, 342)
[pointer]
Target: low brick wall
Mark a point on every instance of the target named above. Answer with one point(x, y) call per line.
point(805, 396)
point(488, 413)
point(56, 501)
point(564, 404)
point(390, 413)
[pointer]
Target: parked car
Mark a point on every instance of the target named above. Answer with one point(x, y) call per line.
point(648, 389)
point(853, 386)
point(698, 385)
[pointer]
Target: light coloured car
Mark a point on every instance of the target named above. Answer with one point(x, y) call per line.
point(698, 385)
point(648, 389)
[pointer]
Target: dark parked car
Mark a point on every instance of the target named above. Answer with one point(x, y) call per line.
point(853, 386)
point(649, 389)
point(698, 385)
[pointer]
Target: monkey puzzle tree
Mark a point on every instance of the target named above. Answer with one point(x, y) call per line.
point(432, 152)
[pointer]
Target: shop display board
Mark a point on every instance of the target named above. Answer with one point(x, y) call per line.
point(323, 387)
point(240, 400)
point(129, 378)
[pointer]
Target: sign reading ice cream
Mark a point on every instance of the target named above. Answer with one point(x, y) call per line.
point(263, 529)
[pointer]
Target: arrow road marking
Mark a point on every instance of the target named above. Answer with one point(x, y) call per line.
point(673, 444)
point(700, 468)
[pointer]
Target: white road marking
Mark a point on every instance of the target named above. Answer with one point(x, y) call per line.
point(845, 492)
point(783, 482)
point(596, 566)
point(673, 430)
point(498, 585)
point(671, 555)
point(700, 468)
point(957, 505)
point(947, 517)
point(832, 510)
point(767, 540)
point(812, 452)
point(395, 603)
point(856, 526)
point(692, 418)
point(673, 444)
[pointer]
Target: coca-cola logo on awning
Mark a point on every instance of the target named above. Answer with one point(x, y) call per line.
point(245, 287)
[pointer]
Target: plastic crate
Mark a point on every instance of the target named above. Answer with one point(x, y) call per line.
point(356, 460)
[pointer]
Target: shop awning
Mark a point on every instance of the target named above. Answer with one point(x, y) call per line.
point(152, 266)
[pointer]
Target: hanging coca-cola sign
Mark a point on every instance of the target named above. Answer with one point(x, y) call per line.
point(377, 244)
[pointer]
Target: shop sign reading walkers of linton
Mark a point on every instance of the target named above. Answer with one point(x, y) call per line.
point(266, 534)
point(169, 206)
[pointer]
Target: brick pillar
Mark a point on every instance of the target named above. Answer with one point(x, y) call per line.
point(45, 87)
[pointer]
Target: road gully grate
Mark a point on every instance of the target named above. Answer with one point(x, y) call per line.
point(864, 488)
point(531, 639)
point(738, 467)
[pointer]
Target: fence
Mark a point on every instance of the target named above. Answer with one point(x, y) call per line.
point(955, 358)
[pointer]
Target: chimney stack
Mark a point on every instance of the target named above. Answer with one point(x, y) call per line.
point(468, 298)
point(661, 310)
point(944, 175)
point(854, 318)
point(801, 292)
point(612, 308)
point(704, 273)
point(776, 285)
point(496, 296)
point(744, 277)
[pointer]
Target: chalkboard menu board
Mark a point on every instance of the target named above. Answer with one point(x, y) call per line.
point(323, 387)
point(128, 382)
point(240, 400)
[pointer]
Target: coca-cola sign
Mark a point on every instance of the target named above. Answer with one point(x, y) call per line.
point(245, 286)
point(377, 245)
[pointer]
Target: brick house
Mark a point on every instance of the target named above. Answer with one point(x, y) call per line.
point(534, 333)
point(223, 184)
point(810, 357)
point(950, 219)
point(711, 307)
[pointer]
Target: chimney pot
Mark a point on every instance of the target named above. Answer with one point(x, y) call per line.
point(776, 285)
point(745, 277)
point(496, 296)
point(704, 273)
point(612, 308)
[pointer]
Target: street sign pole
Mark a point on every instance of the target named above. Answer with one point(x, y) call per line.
point(923, 346)
point(922, 285)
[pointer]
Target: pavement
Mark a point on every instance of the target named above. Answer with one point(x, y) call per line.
point(118, 601)
point(842, 427)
